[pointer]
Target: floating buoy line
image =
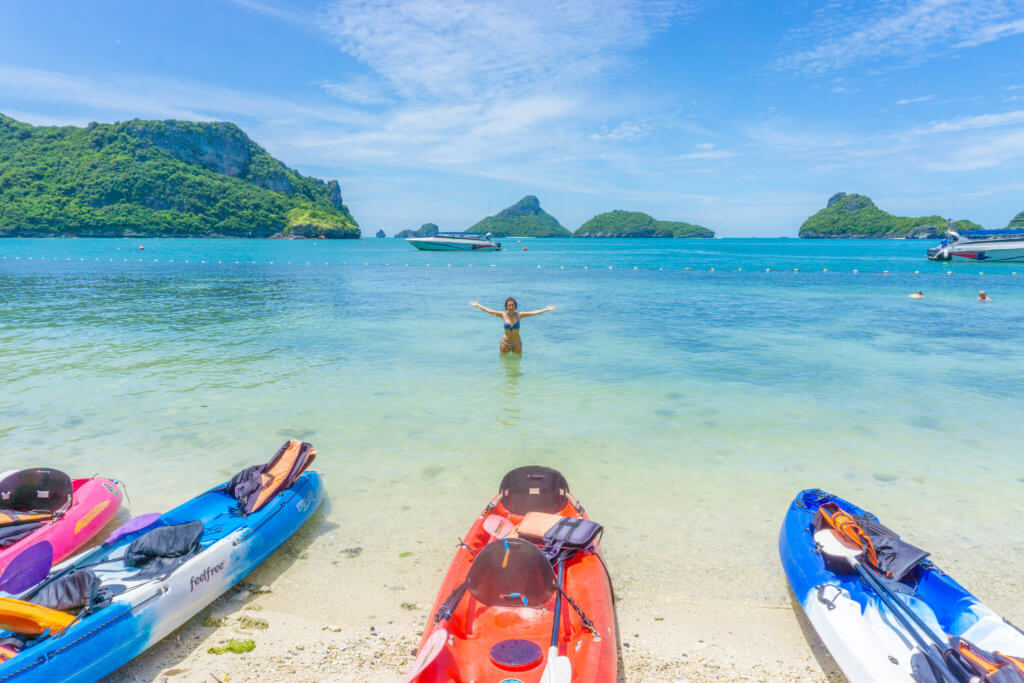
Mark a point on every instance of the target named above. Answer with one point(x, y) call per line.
point(684, 269)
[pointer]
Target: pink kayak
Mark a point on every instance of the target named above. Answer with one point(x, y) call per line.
point(44, 505)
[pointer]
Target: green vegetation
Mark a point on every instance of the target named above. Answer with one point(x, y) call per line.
point(638, 224)
point(234, 646)
point(525, 218)
point(426, 230)
point(854, 215)
point(1017, 221)
point(157, 178)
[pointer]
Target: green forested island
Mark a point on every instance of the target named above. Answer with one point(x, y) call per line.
point(426, 230)
point(157, 178)
point(855, 215)
point(525, 218)
point(638, 224)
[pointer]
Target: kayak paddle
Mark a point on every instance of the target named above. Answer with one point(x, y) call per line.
point(832, 546)
point(27, 569)
point(558, 668)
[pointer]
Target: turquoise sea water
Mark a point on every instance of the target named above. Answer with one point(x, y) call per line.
point(686, 407)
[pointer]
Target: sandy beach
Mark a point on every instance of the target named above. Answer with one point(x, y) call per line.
point(336, 605)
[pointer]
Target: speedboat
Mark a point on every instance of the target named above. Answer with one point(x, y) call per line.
point(455, 241)
point(1006, 244)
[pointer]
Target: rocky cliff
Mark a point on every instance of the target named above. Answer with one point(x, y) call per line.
point(156, 178)
point(855, 215)
point(525, 218)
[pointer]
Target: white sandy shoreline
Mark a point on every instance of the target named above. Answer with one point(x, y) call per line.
point(693, 612)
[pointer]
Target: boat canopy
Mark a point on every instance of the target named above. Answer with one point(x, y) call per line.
point(999, 232)
point(469, 235)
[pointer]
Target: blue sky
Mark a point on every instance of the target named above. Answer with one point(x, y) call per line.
point(743, 116)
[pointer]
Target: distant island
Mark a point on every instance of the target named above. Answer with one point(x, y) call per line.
point(380, 233)
point(638, 224)
point(856, 216)
point(525, 218)
point(426, 230)
point(157, 179)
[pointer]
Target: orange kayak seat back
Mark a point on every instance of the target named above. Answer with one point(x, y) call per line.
point(28, 619)
point(534, 488)
point(883, 549)
point(992, 667)
point(506, 573)
point(255, 486)
point(559, 537)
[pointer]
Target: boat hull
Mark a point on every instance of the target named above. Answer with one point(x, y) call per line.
point(460, 650)
point(859, 630)
point(148, 612)
point(93, 504)
point(427, 244)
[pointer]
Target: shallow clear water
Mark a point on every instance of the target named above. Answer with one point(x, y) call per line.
point(689, 404)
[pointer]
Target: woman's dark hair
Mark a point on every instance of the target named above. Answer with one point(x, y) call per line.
point(515, 304)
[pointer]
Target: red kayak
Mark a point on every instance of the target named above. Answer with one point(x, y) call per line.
point(527, 597)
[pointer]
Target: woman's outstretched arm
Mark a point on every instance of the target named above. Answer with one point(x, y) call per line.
point(485, 309)
point(527, 314)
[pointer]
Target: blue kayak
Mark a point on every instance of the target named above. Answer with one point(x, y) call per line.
point(865, 637)
point(144, 607)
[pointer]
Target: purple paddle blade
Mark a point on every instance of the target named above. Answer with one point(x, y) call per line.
point(132, 525)
point(28, 568)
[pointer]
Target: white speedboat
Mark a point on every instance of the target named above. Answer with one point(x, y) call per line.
point(455, 241)
point(1006, 244)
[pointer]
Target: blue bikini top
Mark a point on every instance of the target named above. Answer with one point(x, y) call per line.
point(514, 326)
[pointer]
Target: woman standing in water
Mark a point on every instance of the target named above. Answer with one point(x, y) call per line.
point(510, 341)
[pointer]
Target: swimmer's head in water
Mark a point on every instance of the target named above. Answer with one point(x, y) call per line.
point(510, 304)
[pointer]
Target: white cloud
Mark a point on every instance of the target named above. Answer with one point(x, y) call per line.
point(441, 49)
point(362, 90)
point(130, 96)
point(706, 151)
point(915, 100)
point(908, 30)
point(966, 123)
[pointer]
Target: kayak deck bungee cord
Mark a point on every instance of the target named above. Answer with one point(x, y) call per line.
point(98, 611)
point(884, 611)
point(527, 597)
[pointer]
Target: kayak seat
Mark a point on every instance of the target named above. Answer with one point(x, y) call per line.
point(533, 489)
point(159, 552)
point(39, 491)
point(27, 619)
point(511, 573)
point(255, 486)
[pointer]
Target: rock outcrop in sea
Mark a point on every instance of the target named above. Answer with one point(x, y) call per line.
point(525, 218)
point(380, 233)
point(856, 216)
point(158, 178)
point(426, 230)
point(638, 224)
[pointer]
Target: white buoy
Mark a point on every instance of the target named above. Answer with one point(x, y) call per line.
point(712, 270)
point(824, 270)
point(855, 270)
